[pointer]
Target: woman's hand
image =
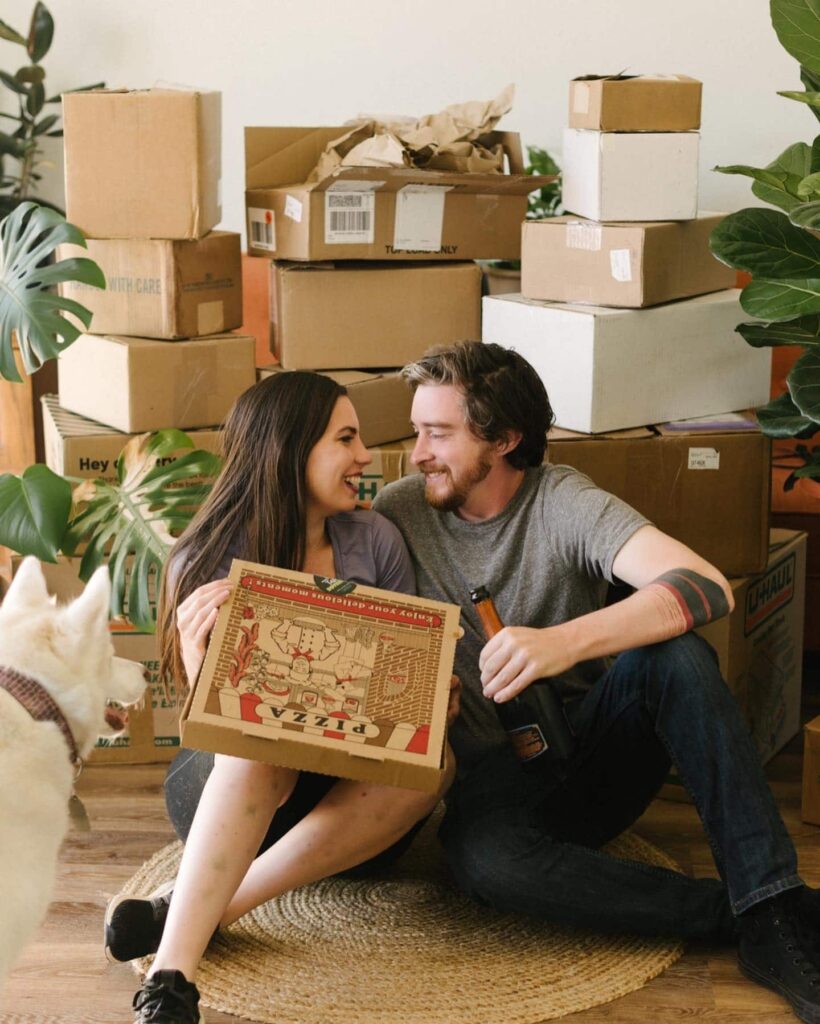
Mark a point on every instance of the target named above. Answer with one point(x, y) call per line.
point(454, 705)
point(518, 655)
point(195, 620)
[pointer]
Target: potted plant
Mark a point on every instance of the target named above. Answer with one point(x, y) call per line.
point(23, 142)
point(504, 276)
point(780, 249)
point(132, 523)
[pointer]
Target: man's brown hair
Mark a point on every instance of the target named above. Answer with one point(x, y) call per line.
point(501, 393)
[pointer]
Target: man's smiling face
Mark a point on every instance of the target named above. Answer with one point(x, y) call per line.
point(449, 454)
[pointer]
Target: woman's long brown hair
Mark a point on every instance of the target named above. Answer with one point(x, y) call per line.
point(257, 502)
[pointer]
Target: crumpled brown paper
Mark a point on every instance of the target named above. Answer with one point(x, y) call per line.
point(446, 141)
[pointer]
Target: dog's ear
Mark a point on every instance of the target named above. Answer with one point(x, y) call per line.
point(28, 587)
point(91, 608)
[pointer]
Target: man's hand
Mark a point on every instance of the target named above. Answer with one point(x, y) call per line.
point(195, 620)
point(517, 656)
point(454, 705)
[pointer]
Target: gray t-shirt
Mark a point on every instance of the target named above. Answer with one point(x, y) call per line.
point(545, 559)
point(366, 549)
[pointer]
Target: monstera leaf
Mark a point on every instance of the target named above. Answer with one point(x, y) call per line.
point(29, 308)
point(131, 524)
point(34, 511)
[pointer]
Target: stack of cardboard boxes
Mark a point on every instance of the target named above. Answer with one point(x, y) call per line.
point(142, 182)
point(630, 321)
point(370, 266)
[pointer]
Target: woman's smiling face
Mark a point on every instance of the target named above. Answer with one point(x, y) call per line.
point(335, 464)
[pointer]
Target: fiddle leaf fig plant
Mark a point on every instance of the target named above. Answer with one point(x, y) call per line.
point(131, 524)
point(30, 310)
point(781, 251)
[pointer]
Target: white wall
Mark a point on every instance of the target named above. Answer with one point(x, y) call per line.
point(314, 62)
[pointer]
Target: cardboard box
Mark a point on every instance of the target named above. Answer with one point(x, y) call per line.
point(811, 772)
point(390, 463)
point(327, 676)
point(635, 103)
point(340, 316)
point(377, 213)
point(138, 384)
point(630, 176)
point(162, 289)
point(143, 164)
point(706, 483)
point(79, 447)
point(565, 259)
point(608, 369)
point(382, 402)
point(152, 733)
point(760, 648)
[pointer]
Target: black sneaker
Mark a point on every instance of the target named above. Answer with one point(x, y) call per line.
point(133, 927)
point(167, 997)
point(776, 949)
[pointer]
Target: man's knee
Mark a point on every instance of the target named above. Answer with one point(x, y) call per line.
point(491, 861)
point(686, 662)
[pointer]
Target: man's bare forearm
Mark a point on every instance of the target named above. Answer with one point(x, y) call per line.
point(677, 601)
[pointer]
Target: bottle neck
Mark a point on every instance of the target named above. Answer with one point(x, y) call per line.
point(490, 620)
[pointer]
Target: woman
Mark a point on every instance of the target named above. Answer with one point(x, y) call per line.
point(286, 497)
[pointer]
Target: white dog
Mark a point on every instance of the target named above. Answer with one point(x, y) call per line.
point(60, 663)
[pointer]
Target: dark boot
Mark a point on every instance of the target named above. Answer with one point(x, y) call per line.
point(777, 948)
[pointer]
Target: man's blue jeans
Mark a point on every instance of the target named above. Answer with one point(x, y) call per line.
point(517, 848)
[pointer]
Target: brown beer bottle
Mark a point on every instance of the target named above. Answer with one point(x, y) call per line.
point(534, 720)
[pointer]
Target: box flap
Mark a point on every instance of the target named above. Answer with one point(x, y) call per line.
point(284, 156)
point(631, 78)
point(719, 423)
point(634, 433)
point(276, 157)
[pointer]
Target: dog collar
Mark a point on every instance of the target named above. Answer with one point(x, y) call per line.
point(40, 705)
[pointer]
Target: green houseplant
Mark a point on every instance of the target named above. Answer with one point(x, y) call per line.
point(780, 249)
point(541, 203)
point(21, 142)
point(131, 524)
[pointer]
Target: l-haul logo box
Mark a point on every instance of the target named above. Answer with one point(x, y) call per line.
point(769, 594)
point(760, 648)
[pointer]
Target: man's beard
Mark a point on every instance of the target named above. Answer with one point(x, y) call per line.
point(459, 487)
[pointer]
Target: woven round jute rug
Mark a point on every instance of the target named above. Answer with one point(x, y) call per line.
point(408, 948)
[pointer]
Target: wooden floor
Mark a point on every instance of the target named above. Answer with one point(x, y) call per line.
point(63, 977)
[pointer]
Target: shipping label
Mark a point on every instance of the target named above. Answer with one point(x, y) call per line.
point(620, 264)
point(419, 218)
point(579, 235)
point(703, 458)
point(349, 217)
point(262, 228)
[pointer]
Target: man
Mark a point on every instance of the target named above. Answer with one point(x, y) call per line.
point(546, 542)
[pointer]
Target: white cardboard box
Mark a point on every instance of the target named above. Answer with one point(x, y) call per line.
point(630, 175)
point(609, 369)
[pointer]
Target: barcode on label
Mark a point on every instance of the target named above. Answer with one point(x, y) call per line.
point(262, 228)
point(349, 217)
